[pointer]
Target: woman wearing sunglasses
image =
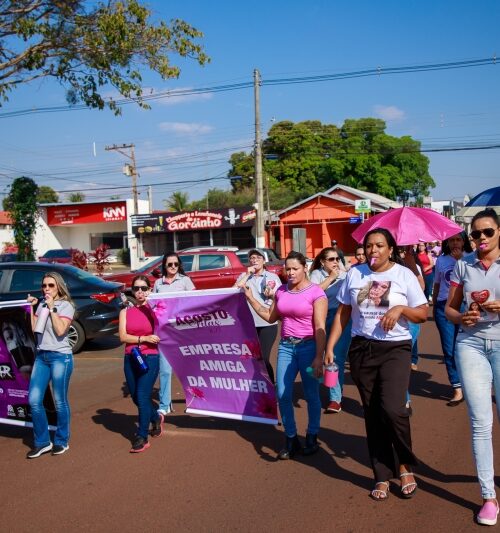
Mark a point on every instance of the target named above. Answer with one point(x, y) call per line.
point(476, 278)
point(173, 279)
point(53, 362)
point(326, 272)
point(137, 331)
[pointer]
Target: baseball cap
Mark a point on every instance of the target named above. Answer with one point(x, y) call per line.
point(255, 251)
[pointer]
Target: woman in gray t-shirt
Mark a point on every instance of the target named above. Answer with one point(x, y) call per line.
point(53, 362)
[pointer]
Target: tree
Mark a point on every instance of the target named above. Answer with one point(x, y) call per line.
point(177, 201)
point(76, 197)
point(89, 46)
point(47, 195)
point(309, 157)
point(22, 205)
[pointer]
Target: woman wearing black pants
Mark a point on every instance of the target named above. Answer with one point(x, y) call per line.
point(263, 285)
point(380, 354)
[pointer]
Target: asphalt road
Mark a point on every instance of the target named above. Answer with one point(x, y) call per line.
point(211, 474)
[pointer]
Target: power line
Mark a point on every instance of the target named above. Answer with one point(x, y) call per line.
point(376, 71)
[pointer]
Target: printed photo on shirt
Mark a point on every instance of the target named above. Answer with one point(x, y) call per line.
point(475, 299)
point(374, 294)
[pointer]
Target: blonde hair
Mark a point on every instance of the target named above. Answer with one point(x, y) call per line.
point(62, 288)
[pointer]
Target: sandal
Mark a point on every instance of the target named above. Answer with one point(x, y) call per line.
point(380, 494)
point(410, 488)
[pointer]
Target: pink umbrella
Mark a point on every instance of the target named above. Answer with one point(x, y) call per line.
point(410, 225)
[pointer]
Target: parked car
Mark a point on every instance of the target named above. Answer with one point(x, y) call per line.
point(97, 301)
point(4, 258)
point(208, 269)
point(60, 255)
point(273, 262)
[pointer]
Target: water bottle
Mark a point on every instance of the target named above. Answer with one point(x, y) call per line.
point(140, 361)
point(43, 315)
point(125, 301)
point(310, 371)
point(331, 375)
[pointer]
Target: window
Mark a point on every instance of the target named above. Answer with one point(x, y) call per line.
point(26, 281)
point(212, 261)
point(187, 262)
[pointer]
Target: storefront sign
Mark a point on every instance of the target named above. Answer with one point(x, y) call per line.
point(193, 220)
point(362, 206)
point(65, 215)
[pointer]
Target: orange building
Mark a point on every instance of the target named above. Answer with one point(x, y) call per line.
point(311, 224)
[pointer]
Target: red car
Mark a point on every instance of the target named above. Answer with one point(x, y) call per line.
point(208, 269)
point(60, 255)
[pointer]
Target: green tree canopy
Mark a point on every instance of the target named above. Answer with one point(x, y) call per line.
point(76, 197)
point(308, 157)
point(47, 195)
point(90, 46)
point(22, 205)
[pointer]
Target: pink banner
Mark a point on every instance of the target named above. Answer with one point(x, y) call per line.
point(210, 340)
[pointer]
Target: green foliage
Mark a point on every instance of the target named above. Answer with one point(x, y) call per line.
point(177, 201)
point(90, 46)
point(76, 197)
point(47, 195)
point(124, 256)
point(21, 202)
point(309, 157)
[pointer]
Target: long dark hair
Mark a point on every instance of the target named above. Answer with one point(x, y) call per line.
point(391, 242)
point(298, 256)
point(316, 265)
point(164, 263)
point(141, 277)
point(445, 249)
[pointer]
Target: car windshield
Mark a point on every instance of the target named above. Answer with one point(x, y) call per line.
point(148, 266)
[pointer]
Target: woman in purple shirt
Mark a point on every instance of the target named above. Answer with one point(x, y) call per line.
point(301, 306)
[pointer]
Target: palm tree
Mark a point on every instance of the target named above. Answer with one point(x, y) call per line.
point(177, 201)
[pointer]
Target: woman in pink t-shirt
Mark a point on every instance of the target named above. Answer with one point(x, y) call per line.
point(301, 306)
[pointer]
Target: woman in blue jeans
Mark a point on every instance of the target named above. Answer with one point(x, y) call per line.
point(476, 278)
point(137, 331)
point(53, 362)
point(326, 272)
point(301, 306)
point(453, 249)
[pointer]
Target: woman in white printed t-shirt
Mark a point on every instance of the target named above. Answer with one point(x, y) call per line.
point(381, 297)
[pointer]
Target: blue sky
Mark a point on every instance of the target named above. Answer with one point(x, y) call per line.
point(191, 138)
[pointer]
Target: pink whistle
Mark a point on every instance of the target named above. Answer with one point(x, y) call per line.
point(372, 261)
point(482, 246)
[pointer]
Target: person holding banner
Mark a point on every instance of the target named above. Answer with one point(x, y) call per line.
point(141, 363)
point(263, 284)
point(301, 306)
point(53, 362)
point(173, 279)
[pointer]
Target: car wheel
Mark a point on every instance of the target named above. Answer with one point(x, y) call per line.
point(76, 336)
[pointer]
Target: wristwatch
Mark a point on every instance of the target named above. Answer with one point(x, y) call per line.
point(53, 310)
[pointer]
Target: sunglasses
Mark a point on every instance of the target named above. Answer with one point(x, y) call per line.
point(49, 285)
point(143, 288)
point(333, 259)
point(488, 232)
point(173, 264)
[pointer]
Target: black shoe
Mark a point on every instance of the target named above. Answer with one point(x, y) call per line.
point(292, 446)
point(157, 427)
point(39, 450)
point(140, 444)
point(59, 449)
point(312, 445)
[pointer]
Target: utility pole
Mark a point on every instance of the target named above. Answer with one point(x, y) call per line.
point(260, 240)
point(128, 170)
